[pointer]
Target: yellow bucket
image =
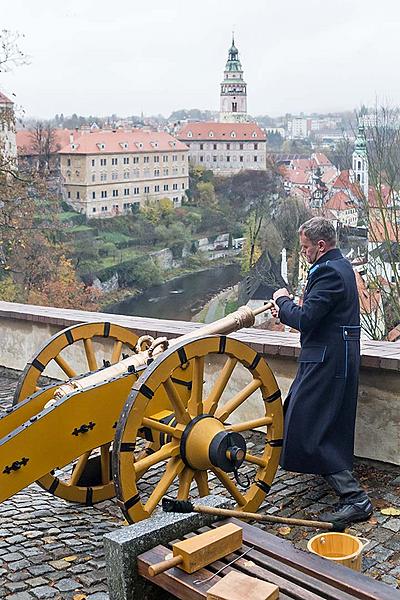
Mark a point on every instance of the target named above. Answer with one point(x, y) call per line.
point(342, 548)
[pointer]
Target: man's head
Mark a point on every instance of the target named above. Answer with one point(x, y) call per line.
point(317, 236)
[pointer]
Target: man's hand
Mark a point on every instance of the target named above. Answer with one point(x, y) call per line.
point(275, 311)
point(281, 293)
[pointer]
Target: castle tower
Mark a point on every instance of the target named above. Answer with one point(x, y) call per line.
point(233, 90)
point(360, 161)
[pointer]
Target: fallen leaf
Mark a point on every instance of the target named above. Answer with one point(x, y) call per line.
point(394, 512)
point(373, 521)
point(284, 530)
point(79, 596)
point(70, 558)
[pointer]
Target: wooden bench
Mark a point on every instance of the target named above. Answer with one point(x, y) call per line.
point(299, 575)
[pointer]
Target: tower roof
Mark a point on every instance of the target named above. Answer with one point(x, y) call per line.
point(4, 99)
point(233, 63)
point(360, 145)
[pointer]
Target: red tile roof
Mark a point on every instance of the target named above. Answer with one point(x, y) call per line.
point(301, 164)
point(370, 300)
point(122, 141)
point(339, 201)
point(329, 175)
point(394, 334)
point(321, 160)
point(210, 130)
point(343, 182)
point(4, 99)
point(25, 142)
point(296, 177)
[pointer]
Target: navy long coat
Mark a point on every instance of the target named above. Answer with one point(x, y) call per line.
point(320, 409)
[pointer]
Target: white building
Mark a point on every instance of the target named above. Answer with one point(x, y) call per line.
point(360, 161)
point(233, 95)
point(8, 144)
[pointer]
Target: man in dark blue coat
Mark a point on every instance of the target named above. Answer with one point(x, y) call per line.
point(320, 409)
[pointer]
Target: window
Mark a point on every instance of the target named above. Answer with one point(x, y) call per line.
point(214, 159)
point(165, 158)
point(175, 199)
point(104, 209)
point(166, 187)
point(146, 159)
point(94, 209)
point(255, 146)
point(114, 176)
point(156, 159)
point(228, 146)
point(234, 106)
point(240, 146)
point(201, 146)
point(255, 159)
point(69, 194)
point(114, 161)
point(103, 177)
point(174, 157)
point(136, 173)
point(68, 162)
point(228, 159)
point(214, 146)
point(93, 177)
point(126, 191)
point(126, 160)
point(174, 186)
point(201, 158)
point(126, 175)
point(156, 172)
point(183, 186)
point(103, 162)
point(183, 157)
point(126, 205)
point(104, 194)
point(93, 162)
point(156, 188)
point(136, 191)
point(147, 189)
point(240, 158)
point(135, 160)
point(93, 195)
point(78, 195)
point(165, 171)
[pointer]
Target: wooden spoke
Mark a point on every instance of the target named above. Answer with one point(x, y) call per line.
point(181, 413)
point(62, 363)
point(201, 479)
point(164, 453)
point(223, 412)
point(255, 460)
point(246, 425)
point(116, 352)
point(210, 405)
point(185, 479)
point(90, 356)
point(230, 486)
point(79, 468)
point(105, 463)
point(174, 467)
point(158, 426)
point(195, 404)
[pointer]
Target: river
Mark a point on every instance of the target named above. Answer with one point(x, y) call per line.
point(181, 297)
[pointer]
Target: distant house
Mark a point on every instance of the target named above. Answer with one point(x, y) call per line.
point(8, 148)
point(225, 148)
point(342, 209)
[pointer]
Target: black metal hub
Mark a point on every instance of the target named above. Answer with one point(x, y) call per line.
point(227, 451)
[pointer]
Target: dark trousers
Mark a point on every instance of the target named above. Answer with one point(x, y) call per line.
point(346, 486)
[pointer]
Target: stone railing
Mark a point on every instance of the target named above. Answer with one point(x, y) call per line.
point(23, 328)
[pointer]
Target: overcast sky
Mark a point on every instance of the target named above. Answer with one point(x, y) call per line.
point(128, 56)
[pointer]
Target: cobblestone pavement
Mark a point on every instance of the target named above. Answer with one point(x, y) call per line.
point(52, 549)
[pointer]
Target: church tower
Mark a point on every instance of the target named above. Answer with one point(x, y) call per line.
point(360, 161)
point(233, 90)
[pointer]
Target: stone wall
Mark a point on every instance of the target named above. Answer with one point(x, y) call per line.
point(24, 328)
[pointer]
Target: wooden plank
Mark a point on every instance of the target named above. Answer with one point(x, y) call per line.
point(238, 586)
point(356, 584)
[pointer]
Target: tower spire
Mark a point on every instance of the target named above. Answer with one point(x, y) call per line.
point(233, 105)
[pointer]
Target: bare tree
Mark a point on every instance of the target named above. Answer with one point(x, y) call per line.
point(44, 144)
point(10, 53)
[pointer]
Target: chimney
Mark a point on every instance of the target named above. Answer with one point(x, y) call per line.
point(71, 137)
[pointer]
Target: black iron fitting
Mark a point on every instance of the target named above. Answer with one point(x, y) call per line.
point(17, 464)
point(83, 428)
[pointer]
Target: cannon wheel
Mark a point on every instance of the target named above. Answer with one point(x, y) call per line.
point(89, 479)
point(196, 426)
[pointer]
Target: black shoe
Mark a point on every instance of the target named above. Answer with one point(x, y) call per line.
point(345, 513)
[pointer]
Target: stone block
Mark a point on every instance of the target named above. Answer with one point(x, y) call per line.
point(122, 547)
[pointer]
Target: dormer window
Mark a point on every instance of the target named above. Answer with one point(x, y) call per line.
point(210, 134)
point(101, 146)
point(124, 145)
point(139, 144)
point(172, 144)
point(154, 144)
point(233, 134)
point(74, 146)
point(254, 134)
point(190, 134)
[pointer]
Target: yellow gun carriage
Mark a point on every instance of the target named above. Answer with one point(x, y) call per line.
point(155, 408)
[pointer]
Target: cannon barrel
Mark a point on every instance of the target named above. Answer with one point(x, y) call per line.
point(242, 317)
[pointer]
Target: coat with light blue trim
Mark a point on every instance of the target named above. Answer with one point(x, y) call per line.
point(320, 408)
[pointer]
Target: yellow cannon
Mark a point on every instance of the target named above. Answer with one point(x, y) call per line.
point(168, 409)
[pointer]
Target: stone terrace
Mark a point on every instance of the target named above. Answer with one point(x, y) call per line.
point(51, 549)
